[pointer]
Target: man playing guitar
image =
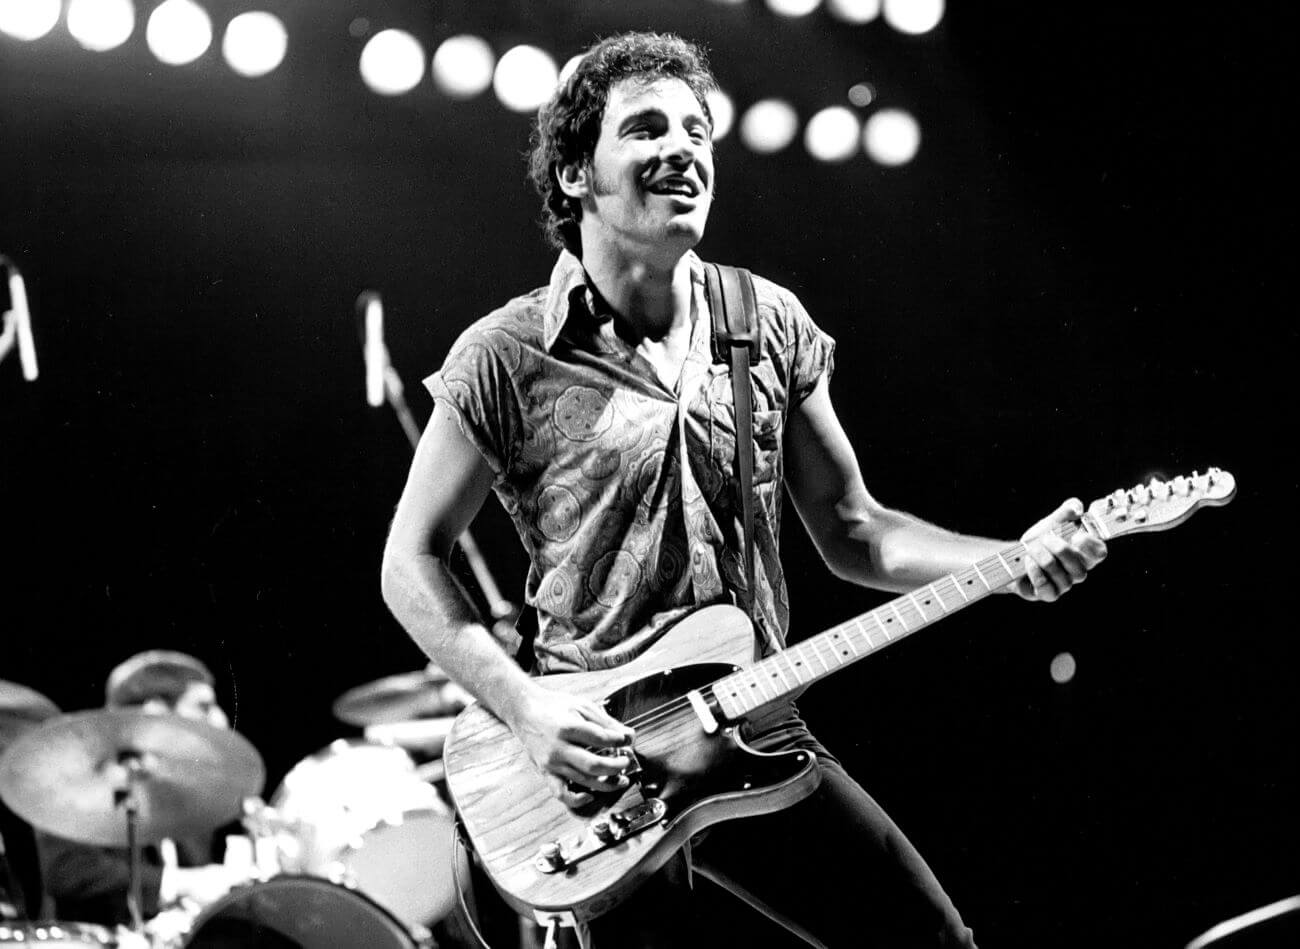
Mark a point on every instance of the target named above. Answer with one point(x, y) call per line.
point(595, 410)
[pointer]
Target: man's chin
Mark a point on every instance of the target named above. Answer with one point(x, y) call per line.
point(684, 230)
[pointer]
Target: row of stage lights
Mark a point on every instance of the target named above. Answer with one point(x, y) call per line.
point(177, 32)
point(913, 17)
point(393, 61)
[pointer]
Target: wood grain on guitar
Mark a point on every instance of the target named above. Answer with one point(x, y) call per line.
point(686, 697)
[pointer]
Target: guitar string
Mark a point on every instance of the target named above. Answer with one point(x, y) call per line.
point(661, 713)
point(652, 717)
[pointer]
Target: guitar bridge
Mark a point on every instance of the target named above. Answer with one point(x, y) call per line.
point(601, 834)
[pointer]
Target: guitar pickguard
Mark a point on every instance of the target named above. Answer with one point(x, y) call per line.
point(679, 762)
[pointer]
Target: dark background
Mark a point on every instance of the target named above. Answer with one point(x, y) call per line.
point(1077, 283)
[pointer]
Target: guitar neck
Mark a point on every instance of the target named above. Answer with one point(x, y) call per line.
point(781, 675)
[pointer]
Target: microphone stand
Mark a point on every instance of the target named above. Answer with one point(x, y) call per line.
point(129, 801)
point(500, 607)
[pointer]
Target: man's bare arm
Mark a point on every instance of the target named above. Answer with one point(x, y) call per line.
point(865, 542)
point(447, 485)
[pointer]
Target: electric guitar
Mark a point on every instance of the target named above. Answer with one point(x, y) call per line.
point(686, 698)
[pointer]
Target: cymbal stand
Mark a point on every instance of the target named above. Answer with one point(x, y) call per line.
point(395, 395)
point(128, 799)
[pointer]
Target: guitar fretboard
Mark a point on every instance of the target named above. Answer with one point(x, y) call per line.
point(784, 673)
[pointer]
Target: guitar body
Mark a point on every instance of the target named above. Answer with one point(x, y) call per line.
point(689, 778)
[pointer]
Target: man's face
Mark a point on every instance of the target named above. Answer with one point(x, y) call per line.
point(198, 702)
point(651, 176)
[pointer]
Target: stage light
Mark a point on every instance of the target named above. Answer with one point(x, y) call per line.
point(832, 134)
point(28, 19)
point(392, 62)
point(723, 112)
point(854, 11)
point(891, 137)
point(569, 68)
point(913, 16)
point(1063, 668)
point(862, 94)
point(255, 43)
point(462, 66)
point(525, 78)
point(101, 25)
point(179, 32)
point(769, 126)
point(792, 8)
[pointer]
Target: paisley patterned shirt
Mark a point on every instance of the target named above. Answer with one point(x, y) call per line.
point(622, 489)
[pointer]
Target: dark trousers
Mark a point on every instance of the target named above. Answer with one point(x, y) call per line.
point(833, 868)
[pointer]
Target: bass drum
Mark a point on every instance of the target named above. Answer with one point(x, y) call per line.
point(358, 813)
point(297, 912)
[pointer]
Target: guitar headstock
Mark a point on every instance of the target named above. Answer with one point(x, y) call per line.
point(1160, 505)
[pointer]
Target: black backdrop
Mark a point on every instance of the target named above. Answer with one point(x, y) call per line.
point(1075, 285)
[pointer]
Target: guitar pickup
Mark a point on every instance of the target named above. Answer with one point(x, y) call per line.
point(602, 833)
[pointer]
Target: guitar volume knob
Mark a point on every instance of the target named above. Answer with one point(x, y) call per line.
point(551, 855)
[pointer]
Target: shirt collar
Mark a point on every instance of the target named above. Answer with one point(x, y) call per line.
point(567, 277)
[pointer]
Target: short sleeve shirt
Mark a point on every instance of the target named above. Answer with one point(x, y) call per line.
point(588, 446)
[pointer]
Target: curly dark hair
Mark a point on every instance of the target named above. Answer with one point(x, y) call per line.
point(569, 124)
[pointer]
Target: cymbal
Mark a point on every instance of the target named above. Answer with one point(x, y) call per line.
point(428, 693)
point(67, 776)
point(21, 709)
point(422, 735)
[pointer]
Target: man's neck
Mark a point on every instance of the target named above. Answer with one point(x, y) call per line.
point(648, 298)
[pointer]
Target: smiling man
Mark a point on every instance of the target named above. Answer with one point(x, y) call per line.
point(595, 409)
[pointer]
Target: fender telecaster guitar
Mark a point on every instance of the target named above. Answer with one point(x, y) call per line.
point(686, 697)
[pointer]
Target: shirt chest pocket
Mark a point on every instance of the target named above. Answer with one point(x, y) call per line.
point(767, 444)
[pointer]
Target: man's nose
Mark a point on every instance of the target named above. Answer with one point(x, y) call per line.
point(679, 148)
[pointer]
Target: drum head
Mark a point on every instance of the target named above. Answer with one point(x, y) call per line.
point(297, 912)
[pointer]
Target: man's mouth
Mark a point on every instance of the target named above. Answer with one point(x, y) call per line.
point(675, 185)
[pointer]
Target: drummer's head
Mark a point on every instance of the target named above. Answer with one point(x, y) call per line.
point(161, 681)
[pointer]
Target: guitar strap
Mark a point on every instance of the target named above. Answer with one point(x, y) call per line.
point(737, 341)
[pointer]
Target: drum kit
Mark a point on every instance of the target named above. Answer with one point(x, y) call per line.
point(354, 848)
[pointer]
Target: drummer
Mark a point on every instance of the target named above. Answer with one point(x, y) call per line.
point(90, 883)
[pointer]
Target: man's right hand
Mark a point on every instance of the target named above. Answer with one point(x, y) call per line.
point(559, 731)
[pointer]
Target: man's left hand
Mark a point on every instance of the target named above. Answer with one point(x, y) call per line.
point(1054, 565)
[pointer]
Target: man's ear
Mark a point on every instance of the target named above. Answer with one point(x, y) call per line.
point(573, 180)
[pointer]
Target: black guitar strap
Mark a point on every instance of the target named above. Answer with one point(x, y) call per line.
point(736, 340)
